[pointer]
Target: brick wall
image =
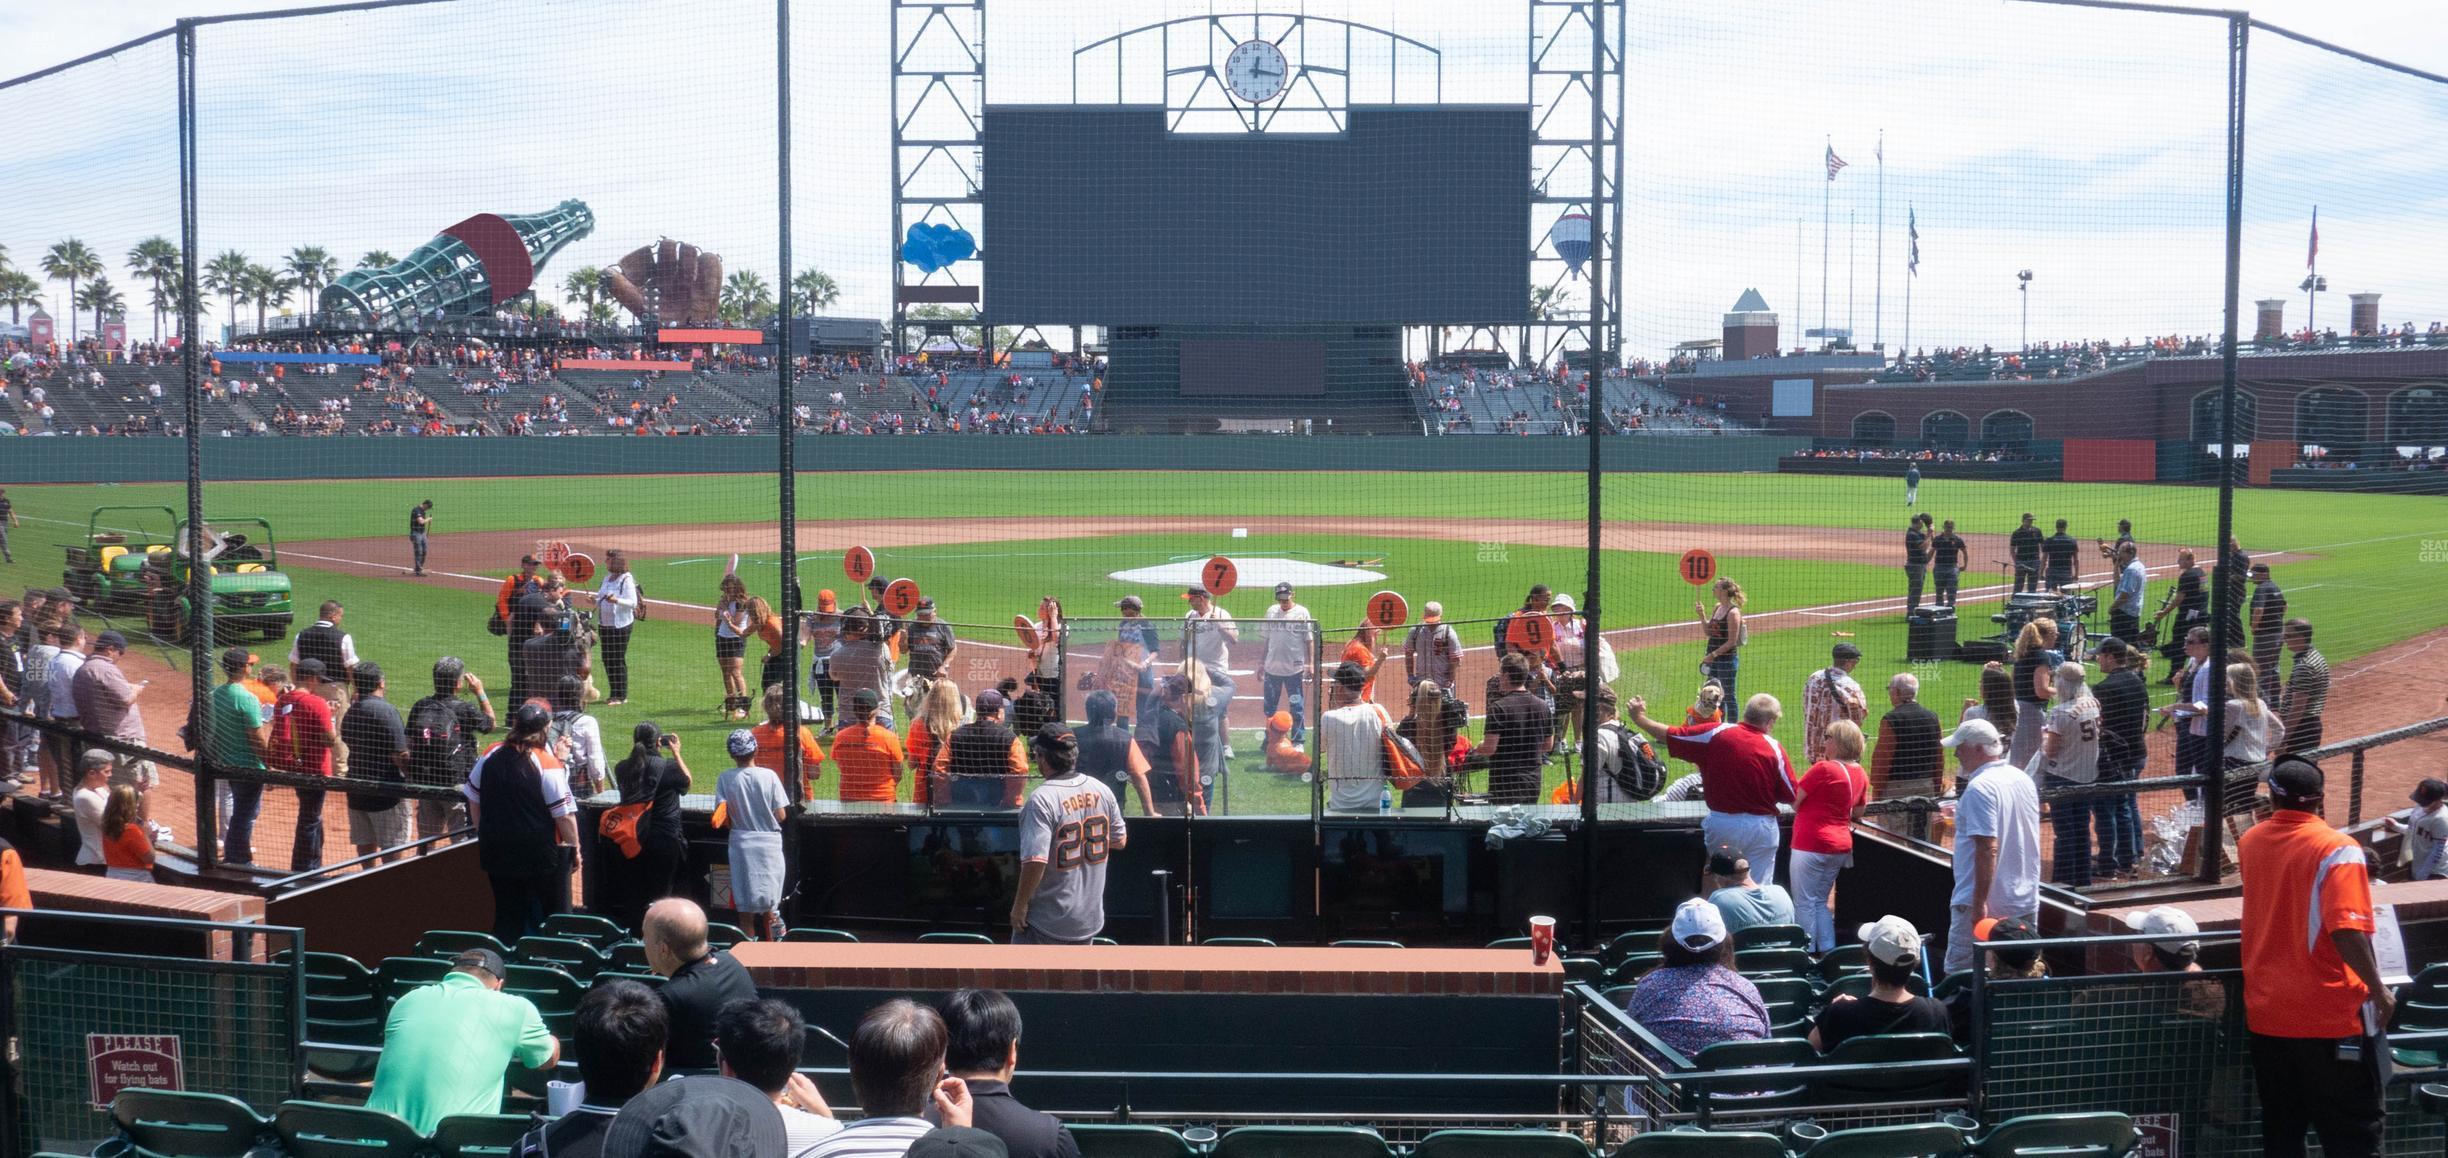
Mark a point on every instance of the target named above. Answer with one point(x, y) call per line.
point(69, 892)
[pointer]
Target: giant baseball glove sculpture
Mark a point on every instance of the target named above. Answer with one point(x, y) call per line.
point(669, 281)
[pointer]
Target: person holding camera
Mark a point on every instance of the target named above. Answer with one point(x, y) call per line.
point(654, 775)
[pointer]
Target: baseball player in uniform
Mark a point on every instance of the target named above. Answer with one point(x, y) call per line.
point(1069, 826)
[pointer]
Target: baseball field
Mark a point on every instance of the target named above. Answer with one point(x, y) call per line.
point(1819, 557)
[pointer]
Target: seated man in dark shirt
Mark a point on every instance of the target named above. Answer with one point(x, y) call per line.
point(618, 1038)
point(982, 1048)
point(701, 980)
point(1895, 959)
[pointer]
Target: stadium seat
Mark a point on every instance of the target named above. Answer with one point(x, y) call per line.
point(401, 974)
point(172, 1124)
point(820, 935)
point(649, 980)
point(1772, 937)
point(1238, 943)
point(2432, 1097)
point(1696, 1144)
point(2094, 1135)
point(1618, 995)
point(1634, 967)
point(1500, 1144)
point(1774, 1053)
point(1844, 959)
point(955, 939)
point(1364, 945)
point(344, 1065)
point(480, 1135)
point(555, 993)
point(1858, 985)
point(1886, 1086)
point(600, 932)
point(1785, 990)
point(1786, 960)
point(1100, 1140)
point(1100, 940)
point(1583, 970)
point(723, 936)
point(630, 957)
point(1509, 943)
point(1301, 1142)
point(1626, 944)
point(1908, 1141)
point(450, 942)
point(335, 975)
point(1949, 985)
point(352, 1007)
point(574, 957)
point(316, 1130)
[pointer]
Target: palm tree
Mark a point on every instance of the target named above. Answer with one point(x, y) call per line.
point(100, 296)
point(312, 268)
point(815, 290)
point(17, 291)
point(1545, 302)
point(582, 286)
point(264, 286)
point(226, 275)
point(71, 261)
point(376, 259)
point(602, 313)
point(156, 259)
point(746, 298)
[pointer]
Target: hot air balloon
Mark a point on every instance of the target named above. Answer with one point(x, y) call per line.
point(1572, 240)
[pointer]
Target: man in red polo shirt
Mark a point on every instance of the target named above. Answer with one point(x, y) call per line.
point(2312, 992)
point(1744, 775)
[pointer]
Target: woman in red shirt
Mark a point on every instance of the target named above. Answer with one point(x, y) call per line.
point(1826, 802)
point(127, 853)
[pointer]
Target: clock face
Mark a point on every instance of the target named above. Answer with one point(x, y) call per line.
point(1255, 71)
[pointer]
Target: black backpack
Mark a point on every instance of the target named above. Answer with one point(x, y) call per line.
point(1637, 771)
point(433, 738)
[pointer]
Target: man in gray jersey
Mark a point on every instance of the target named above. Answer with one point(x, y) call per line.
point(1068, 828)
point(2069, 758)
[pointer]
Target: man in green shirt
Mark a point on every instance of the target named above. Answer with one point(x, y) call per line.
point(239, 735)
point(448, 1045)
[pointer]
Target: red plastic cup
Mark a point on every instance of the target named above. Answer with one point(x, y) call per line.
point(1542, 939)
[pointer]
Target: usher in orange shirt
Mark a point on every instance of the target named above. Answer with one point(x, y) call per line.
point(2303, 881)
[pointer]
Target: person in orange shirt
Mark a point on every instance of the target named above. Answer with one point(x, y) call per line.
point(525, 577)
point(127, 853)
point(1361, 652)
point(1282, 755)
point(868, 755)
point(769, 738)
point(930, 759)
point(2313, 998)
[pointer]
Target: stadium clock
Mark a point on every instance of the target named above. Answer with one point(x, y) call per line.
point(1255, 71)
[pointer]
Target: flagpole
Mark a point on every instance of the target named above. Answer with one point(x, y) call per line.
point(1852, 260)
point(1799, 248)
point(1878, 264)
point(1826, 188)
point(1912, 271)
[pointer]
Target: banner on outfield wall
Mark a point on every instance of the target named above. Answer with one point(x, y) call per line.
point(2111, 460)
point(2265, 457)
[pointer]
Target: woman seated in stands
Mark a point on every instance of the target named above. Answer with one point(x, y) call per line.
point(1696, 999)
point(127, 853)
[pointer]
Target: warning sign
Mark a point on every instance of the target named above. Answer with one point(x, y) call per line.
point(2159, 1133)
point(1698, 567)
point(131, 1061)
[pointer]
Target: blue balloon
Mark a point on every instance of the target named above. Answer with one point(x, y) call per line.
point(932, 247)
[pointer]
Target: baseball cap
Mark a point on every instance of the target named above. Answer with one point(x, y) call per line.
point(2431, 789)
point(826, 600)
point(484, 959)
point(2296, 779)
point(2111, 645)
point(1129, 603)
point(1725, 860)
point(238, 657)
point(1282, 589)
point(696, 1117)
point(741, 742)
point(529, 717)
point(1892, 939)
point(529, 561)
point(958, 1142)
point(926, 603)
point(989, 700)
point(1348, 676)
point(2175, 927)
point(2004, 929)
point(1281, 721)
point(309, 669)
point(1698, 924)
point(1194, 592)
point(111, 639)
point(1845, 651)
point(864, 701)
point(1980, 732)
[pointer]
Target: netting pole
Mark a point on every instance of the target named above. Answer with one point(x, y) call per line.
point(793, 774)
point(191, 362)
point(2222, 599)
point(1593, 433)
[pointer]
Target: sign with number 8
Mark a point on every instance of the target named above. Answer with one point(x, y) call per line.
point(1387, 609)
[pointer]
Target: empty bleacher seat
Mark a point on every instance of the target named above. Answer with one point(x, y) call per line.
point(316, 1130)
point(722, 936)
point(1500, 1144)
point(451, 942)
point(600, 932)
point(401, 974)
point(1771, 937)
point(1238, 943)
point(630, 957)
point(1128, 1140)
point(1772, 1053)
point(1789, 961)
point(1914, 1140)
point(1365, 945)
point(1876, 1084)
point(1302, 1142)
point(175, 1124)
point(955, 939)
point(821, 935)
point(480, 1135)
point(2092, 1135)
point(1698, 1144)
point(577, 958)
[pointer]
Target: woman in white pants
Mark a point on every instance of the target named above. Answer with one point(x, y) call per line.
point(1826, 803)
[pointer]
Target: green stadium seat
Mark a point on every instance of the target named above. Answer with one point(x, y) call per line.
point(172, 1124)
point(630, 957)
point(344, 1065)
point(649, 980)
point(2093, 1135)
point(336, 975)
point(1618, 995)
point(1626, 944)
point(820, 935)
point(480, 1135)
point(1951, 984)
point(1238, 943)
point(401, 974)
point(955, 939)
point(2415, 1015)
point(600, 932)
point(1858, 985)
point(1364, 944)
point(1509, 943)
point(1785, 990)
point(1500, 1144)
point(1634, 967)
point(1103, 941)
point(1844, 959)
point(1101, 1140)
point(354, 1007)
point(1772, 937)
point(1886, 1086)
point(576, 958)
point(555, 993)
point(1301, 1142)
point(1697, 1144)
point(451, 942)
point(1786, 960)
point(723, 936)
point(1915, 1140)
point(1584, 970)
point(316, 1130)
point(1774, 1053)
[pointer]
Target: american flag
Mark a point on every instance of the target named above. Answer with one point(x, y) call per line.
point(1834, 162)
point(2312, 255)
point(1912, 231)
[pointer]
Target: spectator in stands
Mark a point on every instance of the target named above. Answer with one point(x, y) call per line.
point(1907, 761)
point(1997, 839)
point(2035, 671)
point(526, 825)
point(897, 1069)
point(2176, 951)
point(988, 762)
point(759, 1041)
point(304, 736)
point(13, 891)
point(2313, 997)
point(653, 775)
point(982, 1048)
point(2307, 691)
point(1744, 775)
point(106, 702)
point(1520, 733)
point(377, 742)
point(1068, 828)
point(240, 733)
point(752, 799)
point(127, 853)
point(2005, 961)
point(89, 801)
point(442, 738)
point(702, 1116)
point(1894, 949)
point(324, 641)
point(2426, 829)
point(448, 1046)
point(1743, 902)
point(1829, 695)
point(1695, 999)
point(618, 1035)
point(2069, 758)
point(770, 740)
point(2124, 703)
point(1826, 803)
point(700, 980)
point(867, 756)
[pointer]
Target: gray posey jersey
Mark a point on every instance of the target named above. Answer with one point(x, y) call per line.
point(1071, 825)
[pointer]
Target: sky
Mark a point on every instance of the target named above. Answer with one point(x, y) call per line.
point(2084, 146)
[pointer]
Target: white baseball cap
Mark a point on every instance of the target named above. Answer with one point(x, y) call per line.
point(1698, 924)
point(1892, 939)
point(1980, 732)
point(2169, 922)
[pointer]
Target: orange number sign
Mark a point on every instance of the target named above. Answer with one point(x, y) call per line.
point(901, 596)
point(1387, 609)
point(1219, 576)
point(1698, 567)
point(1529, 631)
point(859, 564)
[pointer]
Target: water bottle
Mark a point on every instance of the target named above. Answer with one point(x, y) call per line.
point(1385, 799)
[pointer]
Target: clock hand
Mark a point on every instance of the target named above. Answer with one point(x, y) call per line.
point(1255, 71)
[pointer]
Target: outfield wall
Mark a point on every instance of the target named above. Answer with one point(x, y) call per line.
point(98, 460)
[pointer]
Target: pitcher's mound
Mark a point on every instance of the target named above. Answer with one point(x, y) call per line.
point(1256, 574)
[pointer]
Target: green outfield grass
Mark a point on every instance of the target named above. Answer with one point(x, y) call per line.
point(2370, 584)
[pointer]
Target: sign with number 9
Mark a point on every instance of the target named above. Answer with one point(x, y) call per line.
point(1529, 631)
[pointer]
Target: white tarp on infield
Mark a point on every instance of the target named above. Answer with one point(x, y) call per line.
point(1260, 575)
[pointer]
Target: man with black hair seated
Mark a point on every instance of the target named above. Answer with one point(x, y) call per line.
point(760, 1042)
point(1895, 959)
point(897, 1071)
point(618, 1036)
point(983, 1049)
